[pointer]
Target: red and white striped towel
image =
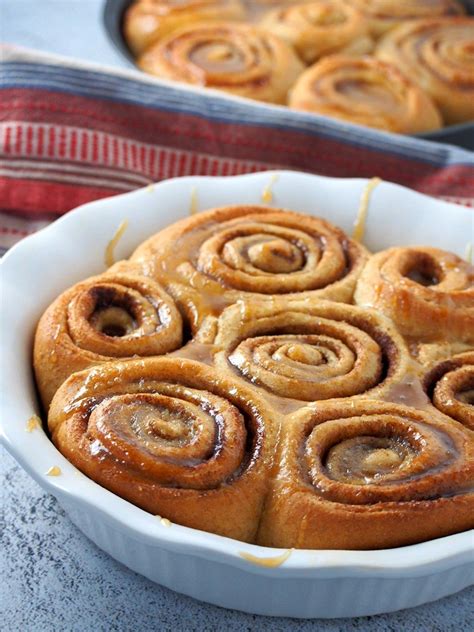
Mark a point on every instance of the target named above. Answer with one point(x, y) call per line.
point(72, 132)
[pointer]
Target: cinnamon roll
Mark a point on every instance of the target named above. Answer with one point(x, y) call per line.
point(170, 436)
point(290, 418)
point(320, 27)
point(310, 350)
point(369, 475)
point(450, 384)
point(383, 15)
point(428, 293)
point(147, 21)
point(437, 55)
point(210, 260)
point(238, 58)
point(118, 314)
point(366, 91)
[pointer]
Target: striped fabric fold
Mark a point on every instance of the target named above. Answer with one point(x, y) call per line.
point(72, 132)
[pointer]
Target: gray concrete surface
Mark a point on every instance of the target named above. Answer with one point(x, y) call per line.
point(54, 579)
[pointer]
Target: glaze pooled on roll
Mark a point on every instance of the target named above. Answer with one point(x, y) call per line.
point(118, 314)
point(274, 416)
point(172, 437)
point(368, 475)
point(310, 350)
point(210, 260)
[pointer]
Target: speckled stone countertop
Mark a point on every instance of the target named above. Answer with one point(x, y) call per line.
point(54, 579)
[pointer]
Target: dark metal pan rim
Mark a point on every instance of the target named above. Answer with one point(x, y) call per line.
point(461, 134)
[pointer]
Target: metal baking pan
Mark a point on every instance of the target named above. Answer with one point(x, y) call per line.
point(461, 135)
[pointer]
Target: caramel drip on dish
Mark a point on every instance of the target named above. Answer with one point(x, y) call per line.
point(54, 471)
point(469, 253)
point(359, 225)
point(267, 193)
point(33, 423)
point(194, 203)
point(109, 257)
point(269, 562)
point(164, 521)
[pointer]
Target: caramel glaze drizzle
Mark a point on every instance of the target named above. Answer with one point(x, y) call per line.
point(408, 391)
point(269, 562)
point(33, 423)
point(194, 203)
point(267, 193)
point(109, 258)
point(359, 225)
point(469, 252)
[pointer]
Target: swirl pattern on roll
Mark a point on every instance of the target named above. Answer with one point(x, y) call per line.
point(366, 91)
point(450, 384)
point(437, 55)
point(427, 292)
point(311, 351)
point(212, 259)
point(383, 15)
point(170, 436)
point(364, 474)
point(118, 314)
point(320, 28)
point(148, 21)
point(238, 58)
point(287, 419)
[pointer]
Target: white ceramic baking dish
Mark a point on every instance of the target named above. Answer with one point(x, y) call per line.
point(206, 566)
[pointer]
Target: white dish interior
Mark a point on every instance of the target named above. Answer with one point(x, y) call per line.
point(41, 266)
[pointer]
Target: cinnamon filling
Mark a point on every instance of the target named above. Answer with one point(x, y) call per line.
point(113, 316)
point(217, 56)
point(466, 397)
point(425, 271)
point(113, 321)
point(276, 256)
point(361, 460)
point(361, 90)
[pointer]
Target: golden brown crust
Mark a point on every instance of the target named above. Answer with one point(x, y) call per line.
point(311, 350)
point(172, 437)
point(384, 15)
point(368, 475)
point(437, 56)
point(210, 260)
point(366, 91)
point(288, 419)
point(450, 385)
point(113, 315)
point(238, 58)
point(427, 292)
point(148, 21)
point(320, 28)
